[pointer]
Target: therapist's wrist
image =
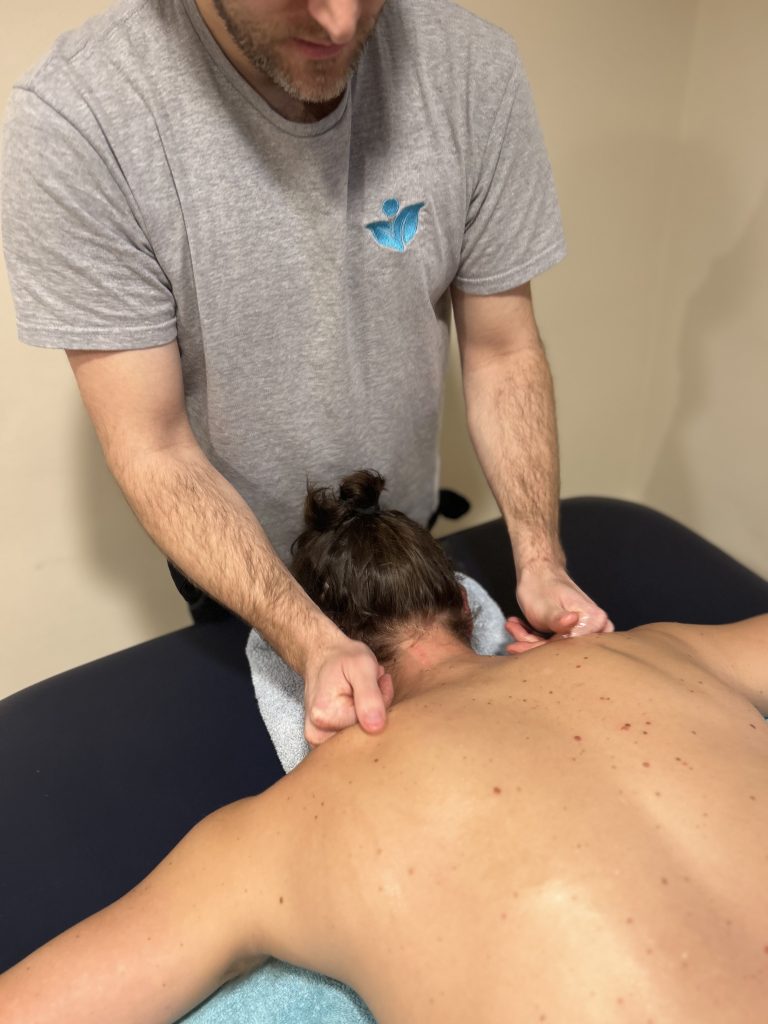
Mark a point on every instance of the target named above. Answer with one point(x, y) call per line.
point(536, 547)
point(542, 556)
point(322, 637)
point(541, 567)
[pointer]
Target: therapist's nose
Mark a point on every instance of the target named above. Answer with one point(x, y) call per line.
point(339, 18)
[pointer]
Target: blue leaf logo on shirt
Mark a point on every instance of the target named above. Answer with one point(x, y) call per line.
point(399, 230)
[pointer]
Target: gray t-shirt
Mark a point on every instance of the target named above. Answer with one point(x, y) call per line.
point(150, 195)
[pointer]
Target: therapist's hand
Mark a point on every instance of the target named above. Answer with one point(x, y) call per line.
point(523, 639)
point(344, 684)
point(552, 603)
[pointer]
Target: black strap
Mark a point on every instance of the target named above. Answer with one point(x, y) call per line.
point(451, 505)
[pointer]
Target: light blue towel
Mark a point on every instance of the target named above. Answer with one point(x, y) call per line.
point(279, 993)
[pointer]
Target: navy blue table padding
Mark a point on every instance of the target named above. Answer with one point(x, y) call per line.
point(105, 767)
point(638, 564)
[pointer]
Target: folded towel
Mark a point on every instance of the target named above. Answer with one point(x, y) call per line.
point(280, 691)
point(279, 993)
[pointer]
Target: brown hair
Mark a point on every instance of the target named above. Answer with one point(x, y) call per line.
point(373, 571)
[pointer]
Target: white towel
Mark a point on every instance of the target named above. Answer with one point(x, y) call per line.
point(280, 691)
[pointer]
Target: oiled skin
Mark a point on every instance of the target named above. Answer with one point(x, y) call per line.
point(574, 836)
point(579, 834)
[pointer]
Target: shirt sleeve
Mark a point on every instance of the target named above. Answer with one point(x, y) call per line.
point(513, 230)
point(82, 271)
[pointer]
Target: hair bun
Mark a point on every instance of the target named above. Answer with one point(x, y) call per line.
point(360, 491)
point(358, 494)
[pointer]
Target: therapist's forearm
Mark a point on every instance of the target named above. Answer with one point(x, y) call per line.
point(204, 526)
point(511, 417)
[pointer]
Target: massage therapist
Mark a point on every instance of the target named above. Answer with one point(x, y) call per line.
point(247, 222)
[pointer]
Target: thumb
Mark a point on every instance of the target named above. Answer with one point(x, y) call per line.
point(561, 622)
point(369, 701)
point(387, 686)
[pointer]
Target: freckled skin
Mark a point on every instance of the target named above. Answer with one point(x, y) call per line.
point(476, 870)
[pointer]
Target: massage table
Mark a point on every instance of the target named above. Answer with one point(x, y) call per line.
point(105, 767)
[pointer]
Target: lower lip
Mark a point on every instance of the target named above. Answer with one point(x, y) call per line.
point(315, 52)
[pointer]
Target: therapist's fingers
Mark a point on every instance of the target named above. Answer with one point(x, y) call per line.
point(523, 646)
point(344, 713)
point(342, 688)
point(327, 714)
point(590, 622)
point(519, 631)
point(523, 639)
point(315, 736)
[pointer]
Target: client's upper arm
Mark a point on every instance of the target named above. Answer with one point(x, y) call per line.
point(164, 947)
point(737, 653)
point(252, 879)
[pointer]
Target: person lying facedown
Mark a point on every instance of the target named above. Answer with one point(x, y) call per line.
point(578, 833)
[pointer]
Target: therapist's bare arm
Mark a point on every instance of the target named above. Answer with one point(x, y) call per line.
point(511, 417)
point(136, 402)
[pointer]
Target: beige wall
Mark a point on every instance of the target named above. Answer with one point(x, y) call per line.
point(701, 441)
point(609, 80)
point(655, 325)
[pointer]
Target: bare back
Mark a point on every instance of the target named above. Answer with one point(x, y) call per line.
point(576, 834)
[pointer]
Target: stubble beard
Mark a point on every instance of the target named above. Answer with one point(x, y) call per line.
point(324, 80)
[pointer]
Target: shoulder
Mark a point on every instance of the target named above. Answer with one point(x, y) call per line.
point(280, 850)
point(105, 87)
point(456, 45)
point(735, 653)
point(95, 36)
point(104, 55)
point(444, 20)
